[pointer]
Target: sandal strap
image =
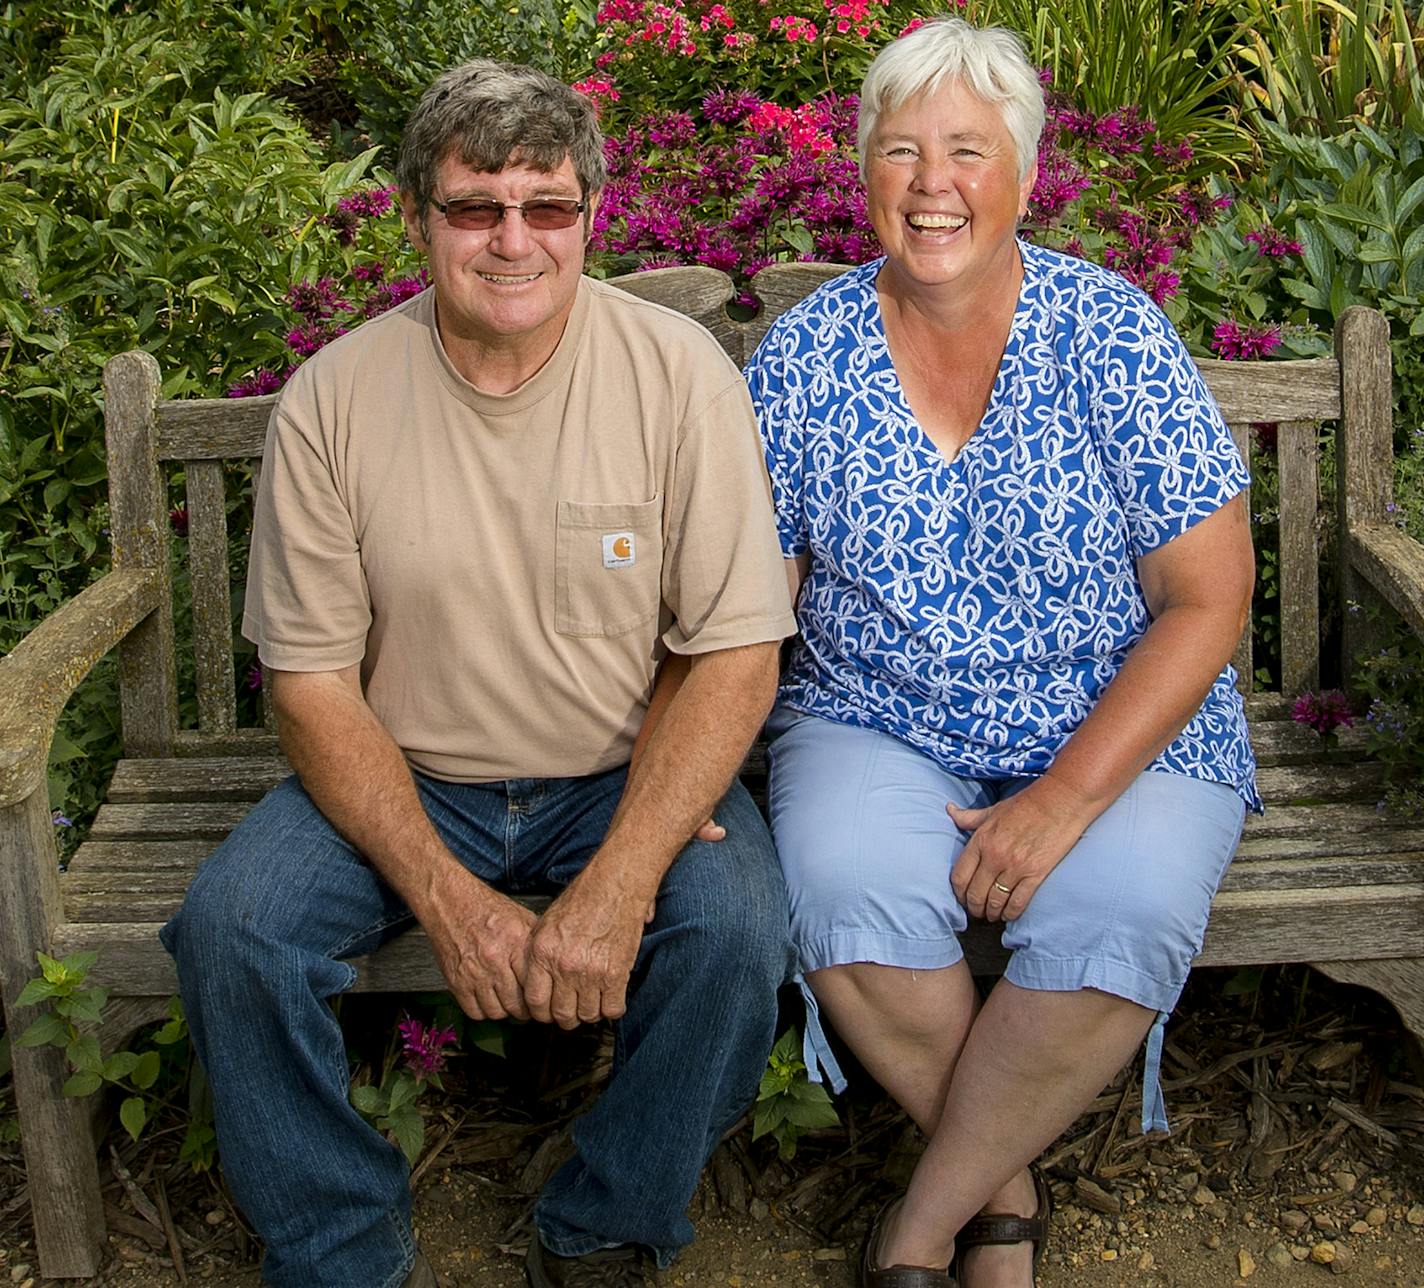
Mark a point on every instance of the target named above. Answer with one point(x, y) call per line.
point(908, 1277)
point(996, 1228)
point(981, 1230)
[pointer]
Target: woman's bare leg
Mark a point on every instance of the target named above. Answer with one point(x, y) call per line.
point(991, 1090)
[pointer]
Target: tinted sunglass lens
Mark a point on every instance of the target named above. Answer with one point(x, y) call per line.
point(550, 214)
point(472, 214)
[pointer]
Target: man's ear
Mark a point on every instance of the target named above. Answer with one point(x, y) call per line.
point(417, 225)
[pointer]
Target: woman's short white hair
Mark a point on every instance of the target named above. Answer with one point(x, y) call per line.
point(988, 60)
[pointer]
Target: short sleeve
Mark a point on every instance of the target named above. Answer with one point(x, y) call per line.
point(723, 579)
point(307, 606)
point(1167, 450)
point(782, 422)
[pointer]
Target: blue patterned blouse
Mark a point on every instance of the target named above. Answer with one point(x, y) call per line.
point(977, 608)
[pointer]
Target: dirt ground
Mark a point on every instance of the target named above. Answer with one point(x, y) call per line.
point(1297, 1154)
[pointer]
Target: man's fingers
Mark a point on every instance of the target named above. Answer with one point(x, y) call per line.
point(538, 989)
point(711, 830)
point(614, 1002)
point(564, 1006)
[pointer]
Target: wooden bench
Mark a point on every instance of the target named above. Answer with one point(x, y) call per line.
point(1321, 878)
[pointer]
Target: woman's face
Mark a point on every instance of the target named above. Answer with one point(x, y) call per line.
point(943, 188)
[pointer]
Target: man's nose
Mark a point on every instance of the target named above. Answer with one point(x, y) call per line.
point(511, 238)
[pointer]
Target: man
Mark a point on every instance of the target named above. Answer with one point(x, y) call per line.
point(484, 518)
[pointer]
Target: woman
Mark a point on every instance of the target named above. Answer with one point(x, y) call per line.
point(1012, 515)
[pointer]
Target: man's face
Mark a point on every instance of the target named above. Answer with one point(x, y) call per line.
point(510, 286)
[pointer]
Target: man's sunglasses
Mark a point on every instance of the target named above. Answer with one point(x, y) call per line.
point(481, 214)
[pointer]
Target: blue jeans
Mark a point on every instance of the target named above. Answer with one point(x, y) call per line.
point(261, 944)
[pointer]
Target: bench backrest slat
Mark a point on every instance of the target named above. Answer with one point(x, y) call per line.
point(1297, 461)
point(212, 595)
point(202, 433)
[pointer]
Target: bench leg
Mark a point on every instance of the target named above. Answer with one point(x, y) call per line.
point(1400, 981)
point(61, 1165)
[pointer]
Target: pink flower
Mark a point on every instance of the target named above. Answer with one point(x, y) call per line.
point(258, 383)
point(1324, 712)
point(178, 520)
point(423, 1047)
point(1233, 341)
point(1273, 244)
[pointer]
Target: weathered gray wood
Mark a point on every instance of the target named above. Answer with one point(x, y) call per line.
point(1285, 742)
point(1322, 872)
point(60, 1164)
point(702, 293)
point(212, 596)
point(237, 744)
point(1284, 784)
point(1255, 392)
point(139, 523)
point(1297, 454)
point(1330, 818)
point(1393, 563)
point(1399, 980)
point(1364, 462)
point(1341, 841)
point(139, 856)
point(206, 779)
point(45, 668)
point(1249, 927)
point(1255, 927)
point(1241, 657)
point(213, 429)
point(189, 821)
point(778, 287)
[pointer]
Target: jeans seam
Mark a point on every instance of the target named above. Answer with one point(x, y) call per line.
point(355, 937)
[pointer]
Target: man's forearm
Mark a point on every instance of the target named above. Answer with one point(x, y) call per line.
point(687, 763)
point(358, 778)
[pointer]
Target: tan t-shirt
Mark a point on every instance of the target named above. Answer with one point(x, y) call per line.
point(509, 569)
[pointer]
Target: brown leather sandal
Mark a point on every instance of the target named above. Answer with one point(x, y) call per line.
point(997, 1227)
point(869, 1275)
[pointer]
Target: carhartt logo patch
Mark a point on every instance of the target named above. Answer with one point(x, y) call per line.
point(618, 550)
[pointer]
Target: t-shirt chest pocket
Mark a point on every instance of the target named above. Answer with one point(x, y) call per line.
point(608, 572)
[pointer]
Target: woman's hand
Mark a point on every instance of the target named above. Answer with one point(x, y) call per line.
point(1013, 845)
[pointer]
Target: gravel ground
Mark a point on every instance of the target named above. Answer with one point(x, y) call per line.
point(1295, 1157)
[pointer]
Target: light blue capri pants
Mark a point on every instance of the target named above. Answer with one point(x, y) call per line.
point(866, 848)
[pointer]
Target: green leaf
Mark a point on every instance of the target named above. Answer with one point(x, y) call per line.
point(367, 1100)
point(53, 970)
point(85, 1006)
point(78, 965)
point(37, 990)
point(173, 1031)
point(83, 1053)
point(82, 1084)
point(408, 1127)
point(809, 1114)
point(489, 1036)
point(48, 1030)
point(145, 1072)
point(133, 1113)
point(119, 1065)
point(402, 1091)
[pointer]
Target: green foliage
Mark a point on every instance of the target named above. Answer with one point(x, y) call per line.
point(1322, 66)
point(73, 1010)
point(393, 1108)
point(1391, 678)
point(1161, 56)
point(402, 45)
point(787, 1104)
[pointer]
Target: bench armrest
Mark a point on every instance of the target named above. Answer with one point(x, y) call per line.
point(37, 679)
point(1393, 563)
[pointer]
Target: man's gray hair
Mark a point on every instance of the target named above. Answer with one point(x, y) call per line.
point(988, 60)
point(489, 115)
